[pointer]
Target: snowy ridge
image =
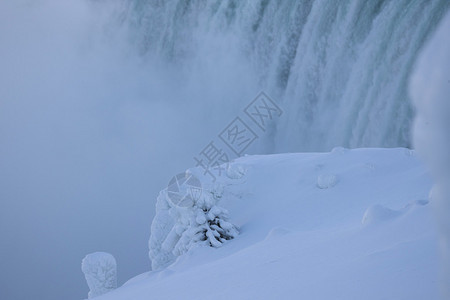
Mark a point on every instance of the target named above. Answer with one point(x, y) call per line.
point(368, 235)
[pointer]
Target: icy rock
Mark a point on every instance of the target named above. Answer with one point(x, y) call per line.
point(326, 181)
point(100, 271)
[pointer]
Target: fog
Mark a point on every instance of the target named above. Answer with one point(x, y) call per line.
point(90, 131)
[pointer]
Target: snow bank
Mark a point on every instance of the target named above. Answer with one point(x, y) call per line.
point(298, 241)
point(430, 90)
point(100, 271)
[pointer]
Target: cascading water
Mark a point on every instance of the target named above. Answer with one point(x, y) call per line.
point(338, 68)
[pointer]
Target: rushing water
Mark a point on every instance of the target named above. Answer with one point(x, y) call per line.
point(338, 68)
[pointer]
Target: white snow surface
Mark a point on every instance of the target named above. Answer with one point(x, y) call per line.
point(430, 90)
point(370, 236)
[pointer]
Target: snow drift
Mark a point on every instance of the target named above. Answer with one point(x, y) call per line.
point(369, 235)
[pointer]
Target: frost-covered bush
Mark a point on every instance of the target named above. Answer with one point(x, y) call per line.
point(100, 271)
point(177, 229)
point(207, 225)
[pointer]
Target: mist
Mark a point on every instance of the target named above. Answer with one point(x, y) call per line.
point(90, 131)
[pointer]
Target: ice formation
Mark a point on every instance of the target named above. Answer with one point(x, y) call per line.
point(100, 271)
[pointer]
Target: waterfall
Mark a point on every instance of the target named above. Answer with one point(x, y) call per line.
point(339, 69)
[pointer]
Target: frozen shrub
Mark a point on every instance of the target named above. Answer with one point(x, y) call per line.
point(177, 229)
point(100, 271)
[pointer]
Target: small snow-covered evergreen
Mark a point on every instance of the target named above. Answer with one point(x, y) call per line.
point(208, 226)
point(175, 230)
point(100, 271)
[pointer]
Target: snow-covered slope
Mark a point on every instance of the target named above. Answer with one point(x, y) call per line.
point(349, 224)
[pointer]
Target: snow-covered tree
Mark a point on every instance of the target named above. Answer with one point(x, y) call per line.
point(209, 226)
point(175, 230)
point(100, 271)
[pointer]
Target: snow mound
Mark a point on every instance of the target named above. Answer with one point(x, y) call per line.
point(378, 213)
point(326, 181)
point(100, 271)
